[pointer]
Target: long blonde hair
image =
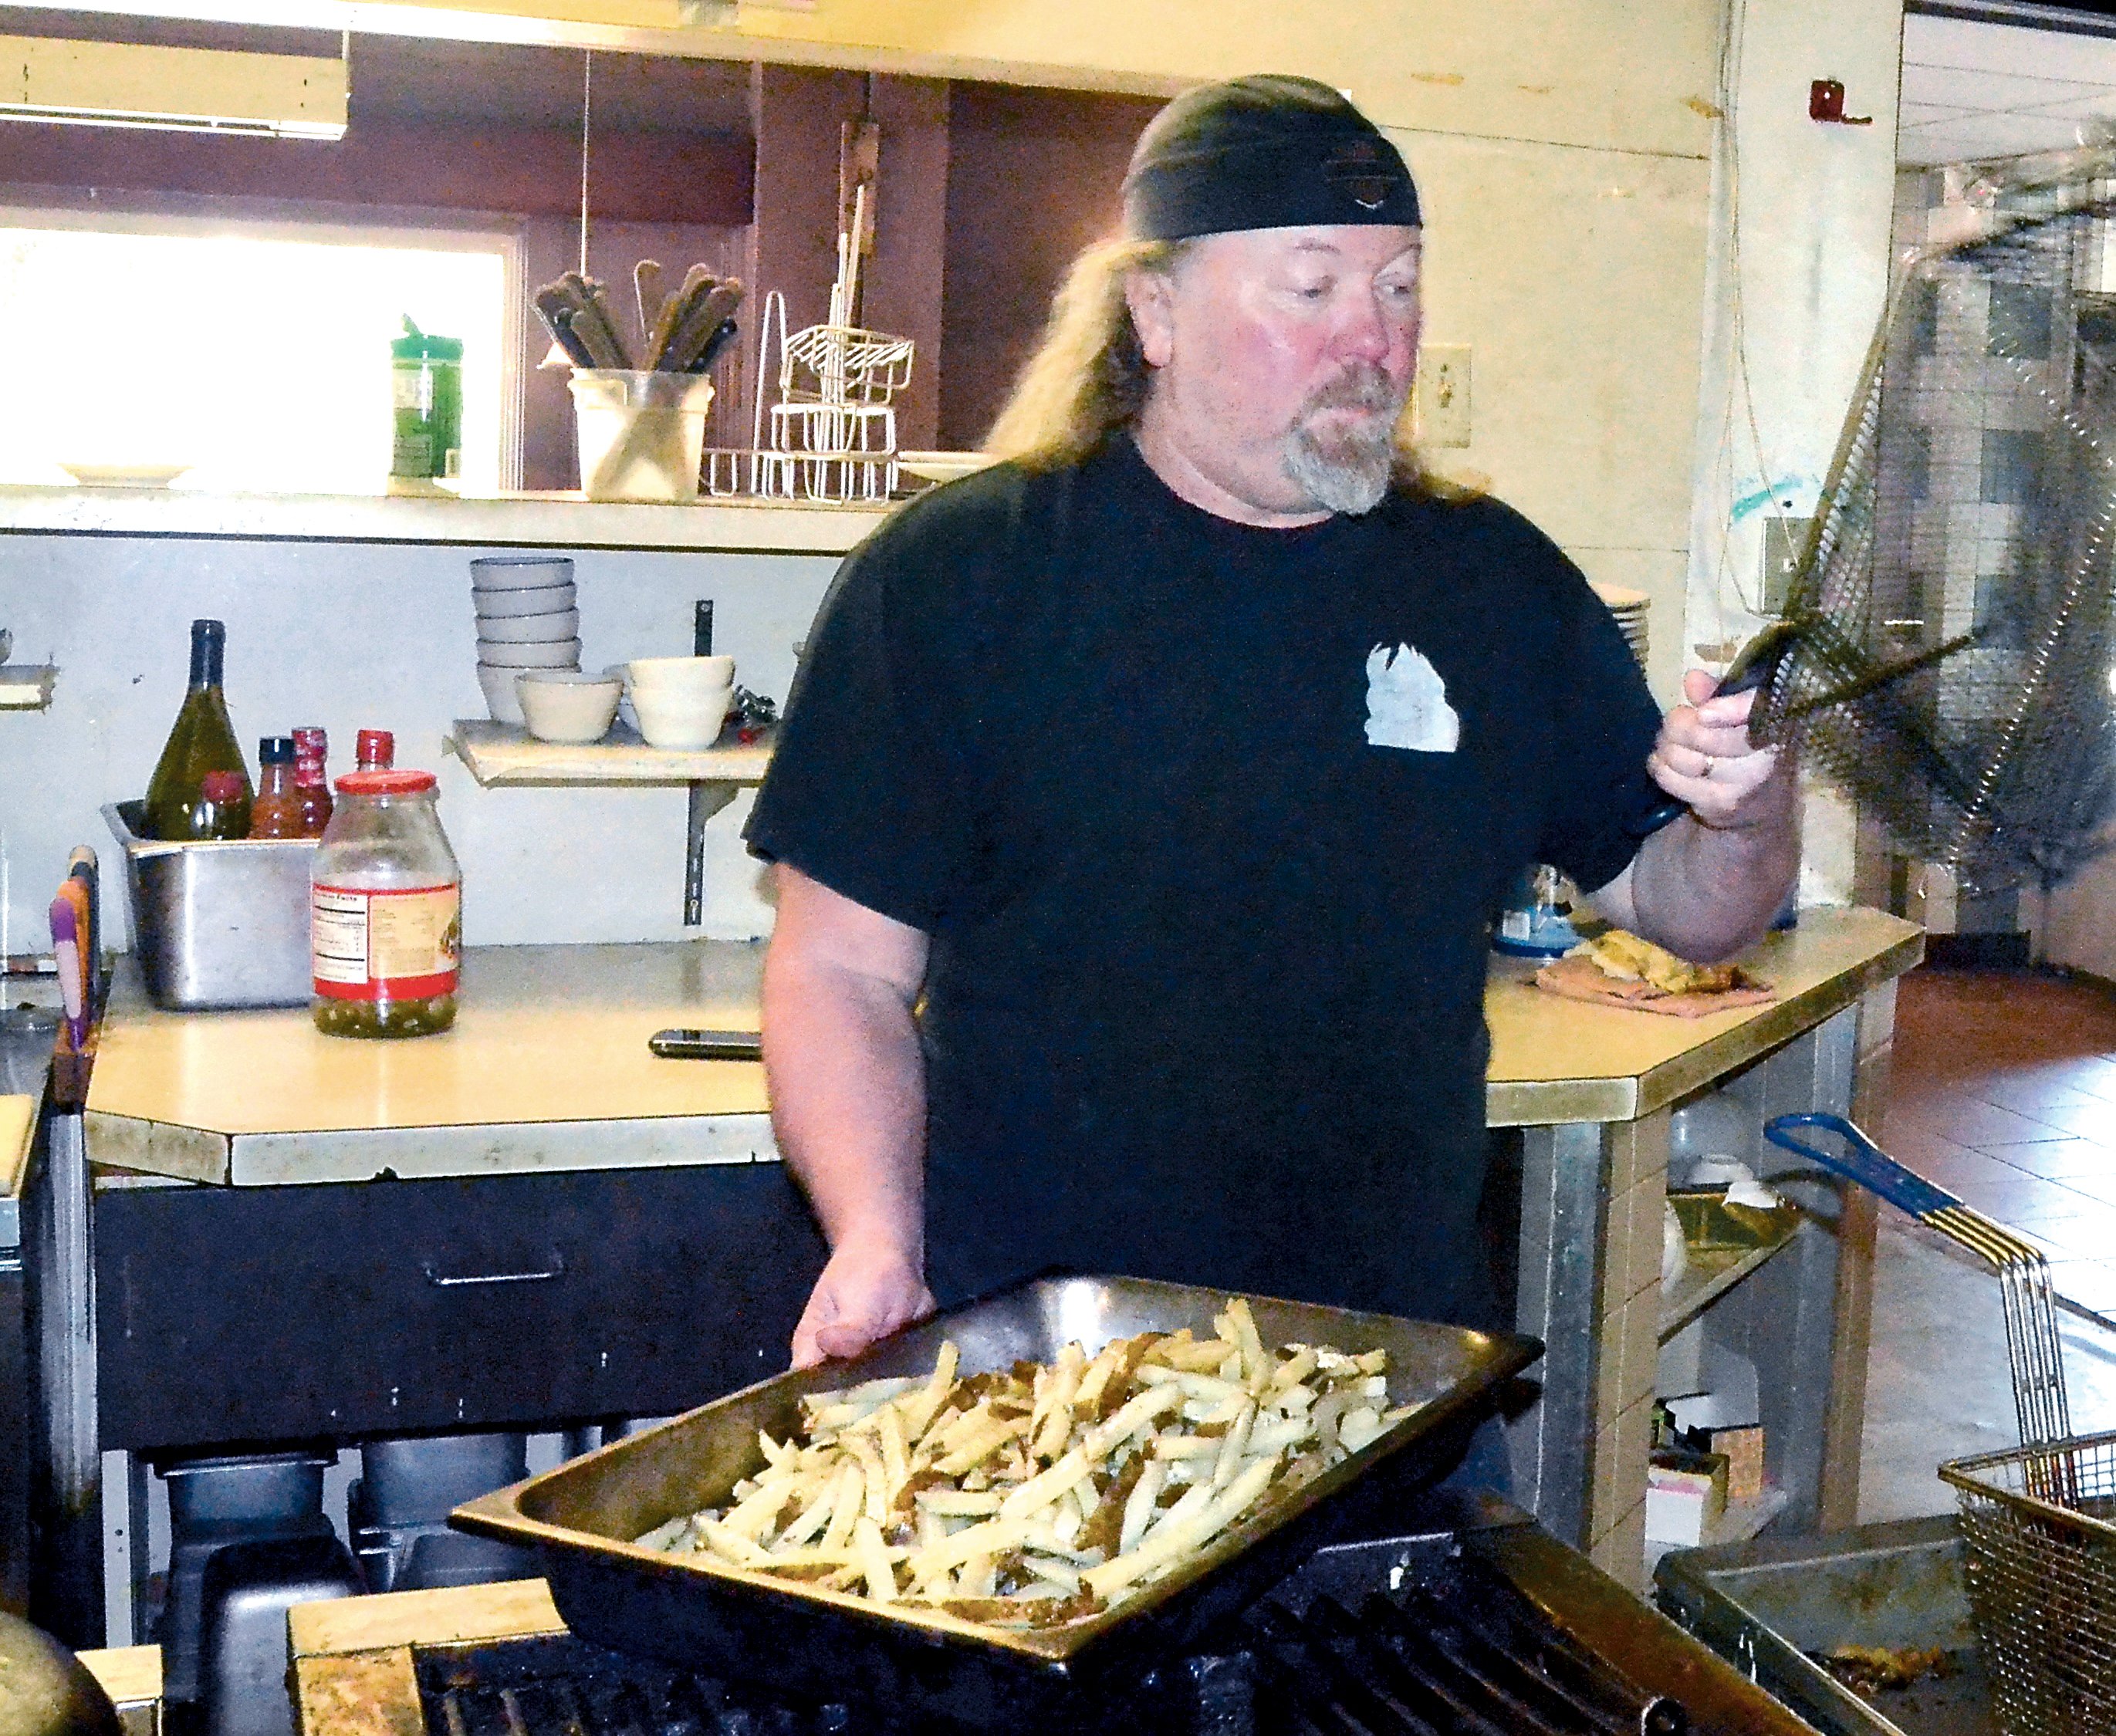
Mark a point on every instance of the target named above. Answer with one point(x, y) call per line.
point(1088, 378)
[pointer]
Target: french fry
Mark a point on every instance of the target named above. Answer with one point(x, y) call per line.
point(874, 1563)
point(994, 1434)
point(1140, 1508)
point(844, 1505)
point(1130, 1417)
point(1054, 1419)
point(919, 1412)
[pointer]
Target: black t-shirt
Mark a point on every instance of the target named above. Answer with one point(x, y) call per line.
point(1205, 995)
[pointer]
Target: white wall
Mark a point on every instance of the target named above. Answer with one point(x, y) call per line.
point(359, 635)
point(1800, 259)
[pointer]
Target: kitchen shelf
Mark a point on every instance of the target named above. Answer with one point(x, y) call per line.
point(1723, 1250)
point(501, 756)
point(26, 686)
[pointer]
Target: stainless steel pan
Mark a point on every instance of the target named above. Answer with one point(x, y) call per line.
point(835, 1645)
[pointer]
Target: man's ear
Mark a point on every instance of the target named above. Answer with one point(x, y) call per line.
point(1151, 297)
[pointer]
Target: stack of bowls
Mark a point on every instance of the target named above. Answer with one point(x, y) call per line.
point(525, 620)
point(1629, 607)
point(681, 702)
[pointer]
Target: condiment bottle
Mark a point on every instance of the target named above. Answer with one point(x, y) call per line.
point(385, 910)
point(311, 748)
point(277, 810)
point(374, 751)
point(201, 741)
point(222, 811)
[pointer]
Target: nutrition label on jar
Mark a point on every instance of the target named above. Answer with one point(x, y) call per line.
point(397, 945)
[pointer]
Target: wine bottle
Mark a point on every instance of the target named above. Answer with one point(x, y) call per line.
point(202, 741)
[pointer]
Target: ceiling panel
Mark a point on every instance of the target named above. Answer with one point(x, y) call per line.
point(1972, 89)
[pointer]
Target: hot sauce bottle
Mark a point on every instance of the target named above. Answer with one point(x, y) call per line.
point(276, 810)
point(311, 748)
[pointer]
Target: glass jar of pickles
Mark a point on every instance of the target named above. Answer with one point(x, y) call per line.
point(385, 910)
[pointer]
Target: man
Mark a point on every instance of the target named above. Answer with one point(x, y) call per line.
point(1143, 801)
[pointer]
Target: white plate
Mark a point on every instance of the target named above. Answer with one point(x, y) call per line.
point(125, 476)
point(520, 573)
point(943, 467)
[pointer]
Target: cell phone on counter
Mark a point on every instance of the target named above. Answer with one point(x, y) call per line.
point(684, 1044)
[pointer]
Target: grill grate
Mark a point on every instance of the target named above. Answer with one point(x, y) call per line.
point(1389, 1640)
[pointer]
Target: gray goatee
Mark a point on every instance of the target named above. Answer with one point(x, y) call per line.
point(1349, 471)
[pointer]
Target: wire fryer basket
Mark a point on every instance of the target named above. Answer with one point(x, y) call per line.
point(2038, 1527)
point(2038, 1521)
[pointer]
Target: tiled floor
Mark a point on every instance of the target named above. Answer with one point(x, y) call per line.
point(2004, 1092)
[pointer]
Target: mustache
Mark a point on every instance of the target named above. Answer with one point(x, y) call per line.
point(1361, 386)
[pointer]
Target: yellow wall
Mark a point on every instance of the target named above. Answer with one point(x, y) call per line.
point(1561, 147)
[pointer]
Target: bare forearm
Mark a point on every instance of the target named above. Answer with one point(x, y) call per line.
point(848, 1100)
point(1707, 891)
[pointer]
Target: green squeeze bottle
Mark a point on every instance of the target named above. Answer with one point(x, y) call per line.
point(202, 741)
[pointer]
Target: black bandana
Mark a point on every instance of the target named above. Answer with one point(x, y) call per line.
point(1265, 152)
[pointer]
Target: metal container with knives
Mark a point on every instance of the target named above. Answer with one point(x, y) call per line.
point(691, 1610)
point(220, 924)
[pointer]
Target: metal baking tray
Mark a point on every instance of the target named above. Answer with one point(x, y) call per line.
point(1773, 1605)
point(835, 1646)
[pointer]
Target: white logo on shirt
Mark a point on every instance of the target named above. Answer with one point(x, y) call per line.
point(1407, 703)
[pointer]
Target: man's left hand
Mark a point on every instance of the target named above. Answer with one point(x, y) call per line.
point(1704, 756)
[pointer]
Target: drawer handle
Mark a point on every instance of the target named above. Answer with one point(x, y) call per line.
point(557, 1269)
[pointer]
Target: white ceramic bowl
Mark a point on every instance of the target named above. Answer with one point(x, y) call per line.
point(500, 605)
point(558, 653)
point(678, 675)
point(566, 706)
point(501, 701)
point(520, 571)
point(531, 629)
point(686, 721)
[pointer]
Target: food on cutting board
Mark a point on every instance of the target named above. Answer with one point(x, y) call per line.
point(1044, 1493)
point(1628, 957)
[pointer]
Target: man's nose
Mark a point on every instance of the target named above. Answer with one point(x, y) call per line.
point(1367, 332)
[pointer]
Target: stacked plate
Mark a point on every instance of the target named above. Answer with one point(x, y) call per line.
point(1629, 607)
point(525, 620)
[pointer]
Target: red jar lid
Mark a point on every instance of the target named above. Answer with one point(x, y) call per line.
point(385, 784)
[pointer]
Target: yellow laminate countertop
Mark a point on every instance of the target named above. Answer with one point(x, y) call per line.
point(547, 1067)
point(1557, 1060)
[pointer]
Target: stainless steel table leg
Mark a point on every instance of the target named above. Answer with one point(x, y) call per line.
point(1564, 1180)
point(68, 1598)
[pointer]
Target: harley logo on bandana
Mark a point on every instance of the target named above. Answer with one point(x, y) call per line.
point(1407, 703)
point(1356, 168)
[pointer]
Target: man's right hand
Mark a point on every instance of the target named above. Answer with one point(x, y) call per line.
point(861, 1296)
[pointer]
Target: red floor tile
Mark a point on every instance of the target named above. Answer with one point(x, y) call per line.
point(2059, 1159)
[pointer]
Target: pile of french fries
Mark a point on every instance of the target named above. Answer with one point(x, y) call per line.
point(1047, 1492)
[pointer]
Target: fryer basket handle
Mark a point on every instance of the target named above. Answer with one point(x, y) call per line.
point(1862, 1161)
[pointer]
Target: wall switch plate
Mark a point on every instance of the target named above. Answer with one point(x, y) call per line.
point(1785, 542)
point(1443, 394)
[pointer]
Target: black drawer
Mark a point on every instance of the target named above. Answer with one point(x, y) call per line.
point(346, 1311)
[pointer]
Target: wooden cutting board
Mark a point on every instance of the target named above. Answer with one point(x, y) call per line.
point(18, 1126)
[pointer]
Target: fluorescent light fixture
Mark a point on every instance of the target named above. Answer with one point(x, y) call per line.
point(123, 83)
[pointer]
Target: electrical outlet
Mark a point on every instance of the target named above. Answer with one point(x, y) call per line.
point(1443, 394)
